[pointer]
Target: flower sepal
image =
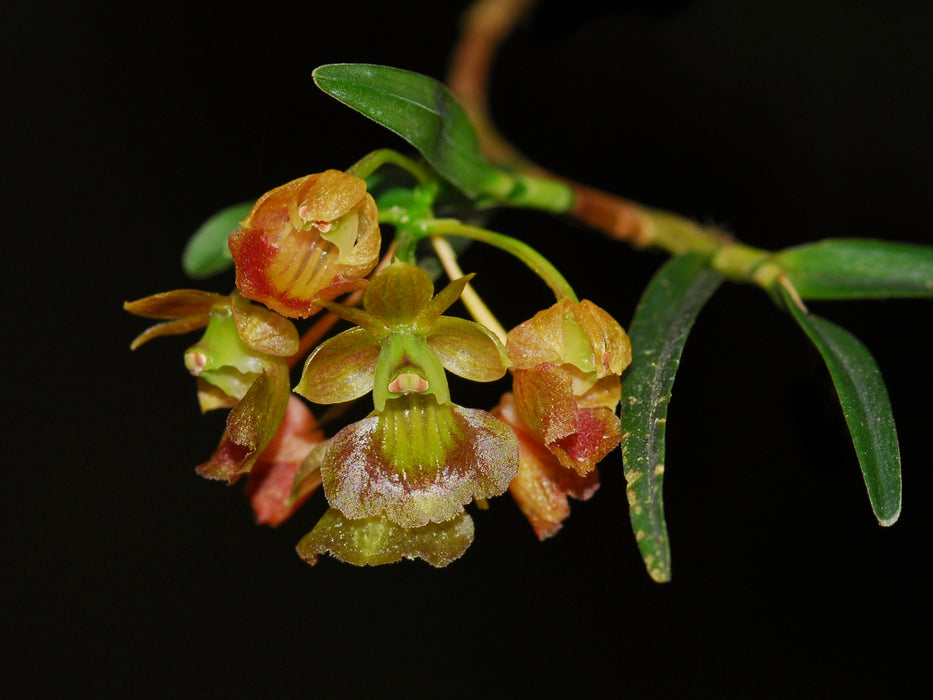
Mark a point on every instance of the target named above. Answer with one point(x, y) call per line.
point(251, 425)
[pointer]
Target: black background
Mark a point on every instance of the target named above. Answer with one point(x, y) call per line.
point(126, 125)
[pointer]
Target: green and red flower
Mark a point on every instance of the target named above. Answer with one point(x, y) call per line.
point(566, 363)
point(314, 238)
point(417, 459)
point(240, 363)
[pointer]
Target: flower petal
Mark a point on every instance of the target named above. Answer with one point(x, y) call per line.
point(263, 330)
point(358, 260)
point(398, 293)
point(598, 433)
point(341, 368)
point(285, 272)
point(251, 425)
point(542, 486)
point(545, 401)
point(605, 393)
point(270, 481)
point(468, 349)
point(358, 317)
point(611, 346)
point(418, 462)
point(308, 476)
point(442, 301)
point(540, 338)
point(580, 334)
point(270, 212)
point(175, 304)
point(374, 541)
point(327, 196)
point(177, 327)
point(578, 437)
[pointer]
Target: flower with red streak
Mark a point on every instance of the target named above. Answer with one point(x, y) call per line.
point(566, 363)
point(311, 239)
point(542, 486)
point(240, 363)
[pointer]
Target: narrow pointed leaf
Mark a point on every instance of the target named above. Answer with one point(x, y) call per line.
point(207, 253)
point(423, 112)
point(866, 407)
point(658, 333)
point(859, 269)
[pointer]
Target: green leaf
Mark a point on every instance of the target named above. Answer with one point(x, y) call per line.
point(658, 332)
point(858, 269)
point(423, 112)
point(865, 405)
point(207, 253)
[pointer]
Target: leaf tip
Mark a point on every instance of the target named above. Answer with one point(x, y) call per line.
point(889, 521)
point(315, 74)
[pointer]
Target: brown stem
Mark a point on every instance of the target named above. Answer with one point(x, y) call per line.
point(486, 24)
point(618, 217)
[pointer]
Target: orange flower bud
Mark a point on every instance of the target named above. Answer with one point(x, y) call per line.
point(566, 363)
point(313, 238)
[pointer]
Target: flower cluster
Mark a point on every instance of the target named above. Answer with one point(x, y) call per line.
point(398, 481)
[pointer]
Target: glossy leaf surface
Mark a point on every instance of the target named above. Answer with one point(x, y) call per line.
point(866, 407)
point(658, 333)
point(423, 112)
point(859, 269)
point(207, 252)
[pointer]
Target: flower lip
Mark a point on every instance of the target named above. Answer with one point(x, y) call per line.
point(374, 541)
point(418, 461)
